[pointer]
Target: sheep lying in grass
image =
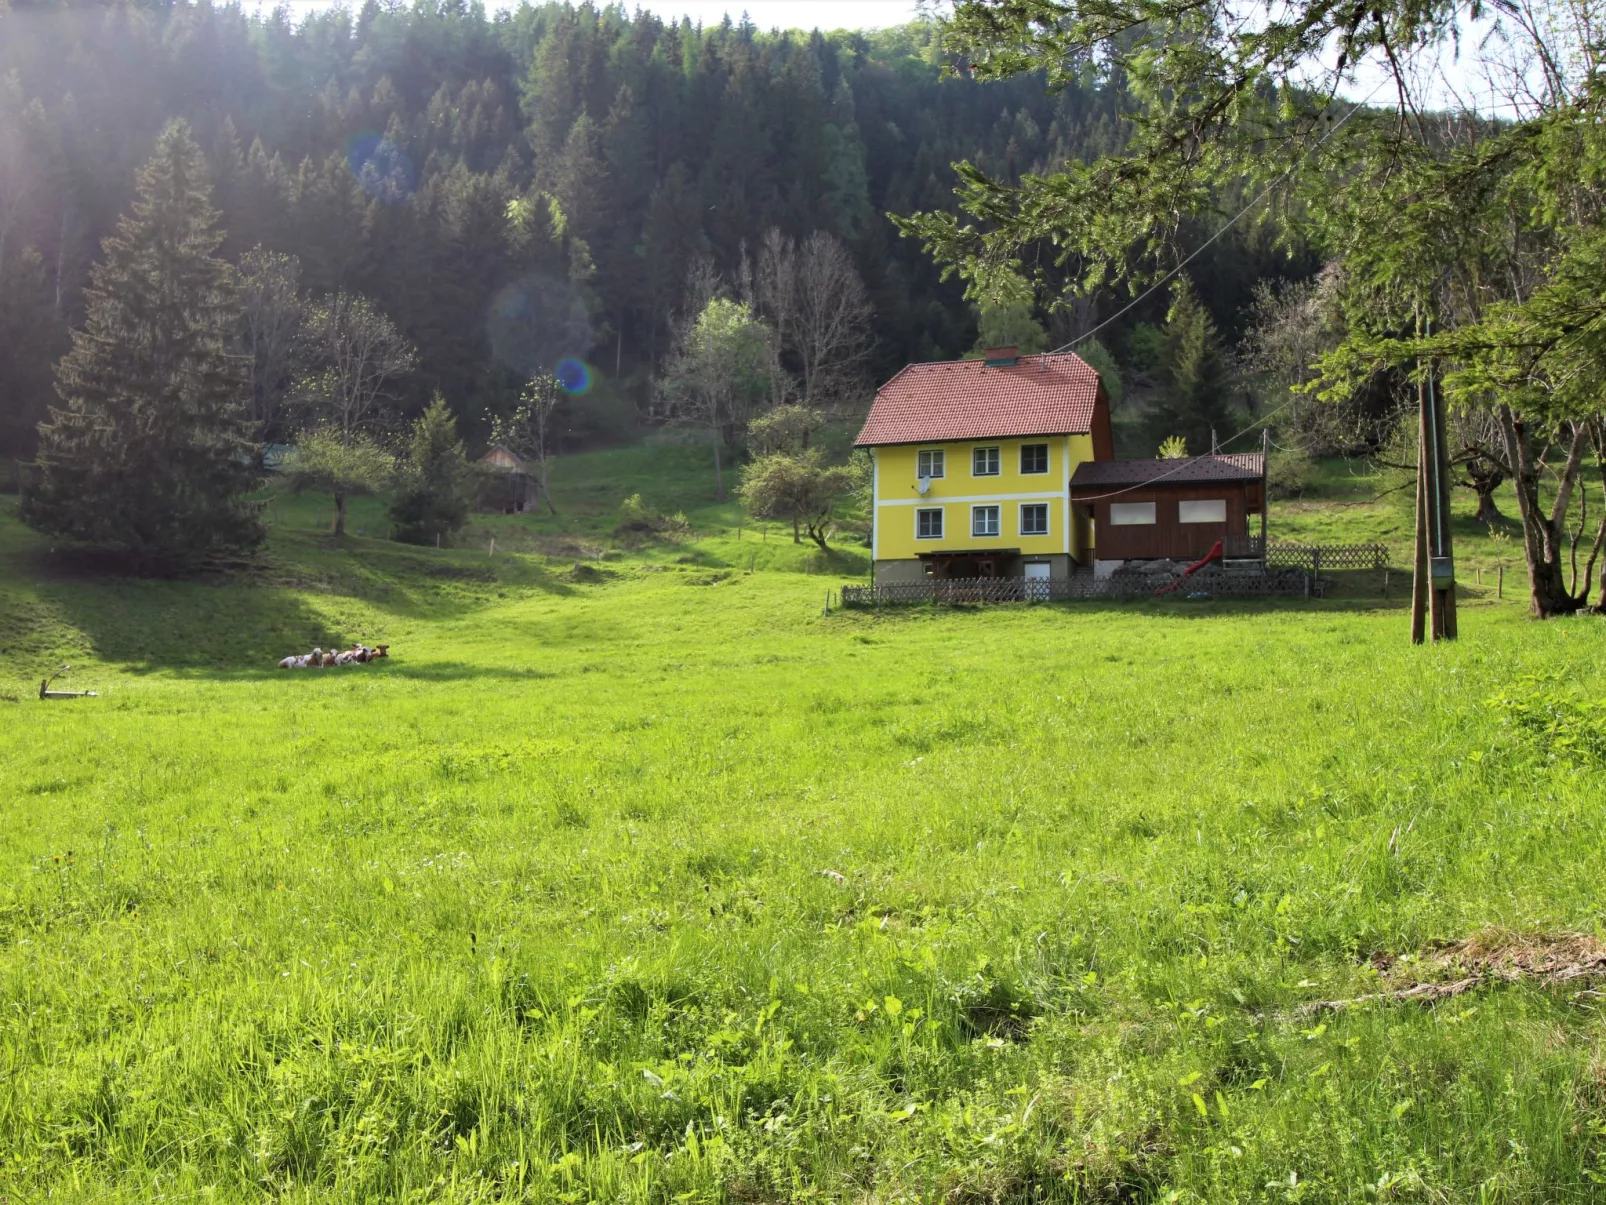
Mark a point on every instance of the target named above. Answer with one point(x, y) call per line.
point(357, 654)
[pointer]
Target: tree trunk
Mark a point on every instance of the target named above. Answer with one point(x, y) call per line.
point(546, 495)
point(1488, 513)
point(340, 514)
point(796, 536)
point(1541, 534)
point(817, 534)
point(719, 480)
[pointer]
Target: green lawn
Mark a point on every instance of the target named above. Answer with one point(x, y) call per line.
point(644, 880)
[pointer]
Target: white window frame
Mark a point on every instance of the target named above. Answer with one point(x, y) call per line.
point(942, 522)
point(1047, 521)
point(1184, 516)
point(997, 523)
point(1133, 514)
point(997, 459)
point(933, 458)
point(1047, 460)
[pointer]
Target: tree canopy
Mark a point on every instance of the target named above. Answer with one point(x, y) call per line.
point(150, 450)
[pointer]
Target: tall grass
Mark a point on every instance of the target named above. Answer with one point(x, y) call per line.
point(654, 884)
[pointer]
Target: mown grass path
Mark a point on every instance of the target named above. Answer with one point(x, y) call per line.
point(651, 883)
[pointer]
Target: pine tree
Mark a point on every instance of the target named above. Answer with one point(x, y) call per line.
point(1194, 404)
point(150, 452)
point(430, 502)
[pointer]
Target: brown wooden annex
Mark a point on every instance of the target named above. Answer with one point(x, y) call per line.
point(1176, 510)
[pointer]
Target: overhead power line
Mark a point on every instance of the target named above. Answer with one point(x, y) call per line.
point(1228, 225)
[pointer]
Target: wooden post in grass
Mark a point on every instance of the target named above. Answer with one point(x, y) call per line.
point(1443, 552)
point(493, 546)
point(1500, 582)
point(1419, 564)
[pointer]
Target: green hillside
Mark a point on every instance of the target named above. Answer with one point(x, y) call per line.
point(632, 876)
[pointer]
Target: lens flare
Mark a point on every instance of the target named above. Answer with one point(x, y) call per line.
point(535, 322)
point(384, 170)
point(574, 377)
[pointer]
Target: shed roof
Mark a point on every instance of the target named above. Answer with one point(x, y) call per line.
point(500, 456)
point(970, 399)
point(1187, 470)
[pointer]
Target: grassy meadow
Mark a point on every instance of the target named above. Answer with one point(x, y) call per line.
point(631, 876)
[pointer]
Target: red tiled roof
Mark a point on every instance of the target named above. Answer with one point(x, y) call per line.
point(965, 399)
point(1187, 470)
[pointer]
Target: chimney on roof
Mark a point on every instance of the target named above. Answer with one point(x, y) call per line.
point(1001, 357)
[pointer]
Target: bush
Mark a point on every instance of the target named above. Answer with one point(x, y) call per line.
point(1290, 475)
point(636, 518)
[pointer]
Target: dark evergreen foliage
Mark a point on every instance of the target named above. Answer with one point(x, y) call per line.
point(150, 452)
point(431, 499)
point(452, 163)
point(1193, 402)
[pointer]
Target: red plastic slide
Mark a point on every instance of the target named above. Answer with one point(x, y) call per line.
point(1215, 554)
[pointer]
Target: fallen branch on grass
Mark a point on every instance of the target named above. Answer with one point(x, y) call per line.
point(1494, 956)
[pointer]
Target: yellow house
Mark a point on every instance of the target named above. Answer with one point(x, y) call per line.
point(973, 462)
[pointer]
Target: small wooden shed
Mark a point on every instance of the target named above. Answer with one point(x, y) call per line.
point(508, 486)
point(1145, 510)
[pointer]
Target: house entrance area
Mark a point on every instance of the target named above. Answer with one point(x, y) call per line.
point(992, 562)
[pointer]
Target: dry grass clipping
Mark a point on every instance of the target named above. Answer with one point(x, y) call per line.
point(1492, 956)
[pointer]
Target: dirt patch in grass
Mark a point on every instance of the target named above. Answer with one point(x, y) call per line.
point(1491, 956)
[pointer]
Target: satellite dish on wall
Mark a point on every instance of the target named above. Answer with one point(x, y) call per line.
point(922, 485)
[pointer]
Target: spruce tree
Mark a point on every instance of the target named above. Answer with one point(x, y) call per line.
point(150, 453)
point(431, 501)
point(1194, 403)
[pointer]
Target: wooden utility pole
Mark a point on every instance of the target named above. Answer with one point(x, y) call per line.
point(1433, 582)
point(1265, 494)
point(1419, 564)
point(1443, 552)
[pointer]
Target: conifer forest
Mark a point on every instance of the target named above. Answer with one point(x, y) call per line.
point(496, 181)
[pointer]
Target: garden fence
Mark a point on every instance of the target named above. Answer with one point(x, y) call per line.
point(1318, 558)
point(1212, 583)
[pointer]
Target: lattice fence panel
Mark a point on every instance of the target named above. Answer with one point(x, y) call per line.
point(1315, 558)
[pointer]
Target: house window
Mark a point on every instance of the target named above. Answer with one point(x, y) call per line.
point(984, 462)
point(1034, 458)
point(1034, 519)
point(984, 519)
point(1210, 510)
point(928, 523)
point(1131, 514)
point(928, 463)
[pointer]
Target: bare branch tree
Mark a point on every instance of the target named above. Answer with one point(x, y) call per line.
point(273, 310)
point(357, 358)
point(811, 293)
point(526, 432)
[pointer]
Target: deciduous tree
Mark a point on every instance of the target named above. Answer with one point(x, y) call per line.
point(357, 360)
point(718, 376)
point(346, 464)
point(273, 311)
